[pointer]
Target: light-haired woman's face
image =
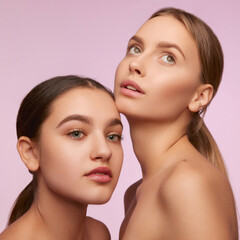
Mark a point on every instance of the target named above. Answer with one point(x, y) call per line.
point(160, 72)
point(80, 152)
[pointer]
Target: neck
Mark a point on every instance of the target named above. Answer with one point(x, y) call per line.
point(153, 140)
point(58, 217)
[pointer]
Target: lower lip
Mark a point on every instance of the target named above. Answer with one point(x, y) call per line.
point(100, 178)
point(129, 92)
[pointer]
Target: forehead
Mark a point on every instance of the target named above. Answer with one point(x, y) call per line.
point(166, 28)
point(88, 101)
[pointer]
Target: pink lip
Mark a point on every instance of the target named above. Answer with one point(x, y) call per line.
point(130, 92)
point(100, 174)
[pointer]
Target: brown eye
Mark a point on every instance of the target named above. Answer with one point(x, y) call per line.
point(168, 59)
point(135, 50)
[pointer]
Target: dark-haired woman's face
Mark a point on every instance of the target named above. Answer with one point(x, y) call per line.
point(160, 72)
point(80, 152)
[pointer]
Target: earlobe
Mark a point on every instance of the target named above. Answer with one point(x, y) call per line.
point(28, 152)
point(201, 98)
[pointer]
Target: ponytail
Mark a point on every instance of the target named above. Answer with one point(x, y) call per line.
point(24, 201)
point(34, 109)
point(211, 59)
point(203, 141)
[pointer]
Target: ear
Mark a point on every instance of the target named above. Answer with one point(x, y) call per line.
point(28, 152)
point(201, 97)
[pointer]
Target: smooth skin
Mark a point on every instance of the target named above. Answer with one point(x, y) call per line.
point(82, 133)
point(181, 195)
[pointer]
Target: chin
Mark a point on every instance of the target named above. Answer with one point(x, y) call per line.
point(128, 112)
point(99, 200)
point(100, 196)
point(123, 106)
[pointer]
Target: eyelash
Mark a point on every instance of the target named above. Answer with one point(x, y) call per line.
point(71, 134)
point(74, 137)
point(169, 55)
point(132, 46)
point(119, 137)
point(138, 47)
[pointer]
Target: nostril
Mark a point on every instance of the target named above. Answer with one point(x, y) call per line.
point(137, 71)
point(136, 67)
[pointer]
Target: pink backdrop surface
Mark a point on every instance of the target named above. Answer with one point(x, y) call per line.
point(41, 39)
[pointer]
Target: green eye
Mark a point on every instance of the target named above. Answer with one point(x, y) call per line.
point(76, 134)
point(114, 137)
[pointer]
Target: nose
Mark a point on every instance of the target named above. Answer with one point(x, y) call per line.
point(136, 66)
point(100, 150)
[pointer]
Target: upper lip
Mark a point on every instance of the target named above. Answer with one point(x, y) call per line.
point(131, 83)
point(105, 170)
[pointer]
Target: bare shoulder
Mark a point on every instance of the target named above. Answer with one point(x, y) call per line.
point(190, 175)
point(7, 234)
point(199, 197)
point(15, 231)
point(195, 179)
point(97, 229)
point(130, 194)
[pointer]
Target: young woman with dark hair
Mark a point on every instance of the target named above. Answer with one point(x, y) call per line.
point(69, 138)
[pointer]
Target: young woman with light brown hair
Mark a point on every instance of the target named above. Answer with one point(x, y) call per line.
point(171, 72)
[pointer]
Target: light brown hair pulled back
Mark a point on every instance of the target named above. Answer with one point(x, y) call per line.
point(211, 62)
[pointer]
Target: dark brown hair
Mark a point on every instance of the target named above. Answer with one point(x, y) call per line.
point(211, 60)
point(33, 111)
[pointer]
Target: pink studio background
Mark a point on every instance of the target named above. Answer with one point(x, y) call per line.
point(41, 39)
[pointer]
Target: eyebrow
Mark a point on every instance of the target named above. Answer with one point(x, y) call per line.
point(77, 117)
point(170, 45)
point(85, 119)
point(114, 122)
point(160, 44)
point(136, 38)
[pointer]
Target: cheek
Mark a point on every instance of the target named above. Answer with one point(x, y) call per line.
point(178, 92)
point(119, 76)
point(120, 71)
point(178, 86)
point(171, 98)
point(58, 157)
point(115, 163)
point(62, 172)
point(60, 165)
point(117, 160)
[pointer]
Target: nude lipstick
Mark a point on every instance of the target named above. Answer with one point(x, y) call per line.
point(100, 174)
point(131, 89)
